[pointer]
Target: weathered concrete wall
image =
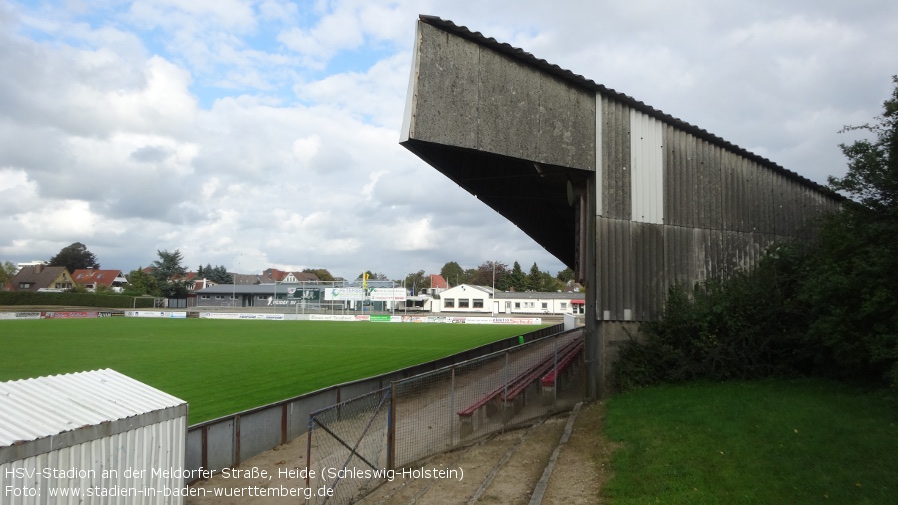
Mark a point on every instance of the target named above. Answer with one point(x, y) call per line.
point(611, 336)
point(470, 96)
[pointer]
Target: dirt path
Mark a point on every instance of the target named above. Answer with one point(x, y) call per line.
point(500, 470)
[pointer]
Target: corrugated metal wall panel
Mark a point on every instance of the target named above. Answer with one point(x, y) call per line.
point(678, 243)
point(624, 277)
point(145, 452)
point(752, 198)
point(647, 245)
point(600, 156)
point(692, 183)
point(702, 256)
point(702, 219)
point(616, 159)
point(727, 185)
point(672, 163)
point(714, 170)
point(770, 207)
point(614, 268)
point(715, 212)
point(733, 191)
point(780, 203)
point(646, 168)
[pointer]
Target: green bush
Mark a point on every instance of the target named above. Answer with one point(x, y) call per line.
point(748, 326)
point(13, 298)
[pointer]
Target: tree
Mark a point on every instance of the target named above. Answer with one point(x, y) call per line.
point(535, 279)
point(488, 273)
point(453, 273)
point(566, 275)
point(169, 272)
point(75, 257)
point(218, 274)
point(322, 273)
point(142, 283)
point(872, 178)
point(7, 271)
point(168, 266)
point(852, 274)
point(517, 278)
point(416, 282)
point(552, 283)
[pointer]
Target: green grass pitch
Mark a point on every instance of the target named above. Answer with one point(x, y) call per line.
point(220, 367)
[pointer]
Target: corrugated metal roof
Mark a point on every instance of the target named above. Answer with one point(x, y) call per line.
point(530, 59)
point(31, 409)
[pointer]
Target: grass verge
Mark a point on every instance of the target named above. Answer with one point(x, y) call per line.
point(220, 367)
point(796, 442)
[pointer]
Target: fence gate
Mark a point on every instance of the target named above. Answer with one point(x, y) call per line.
point(347, 447)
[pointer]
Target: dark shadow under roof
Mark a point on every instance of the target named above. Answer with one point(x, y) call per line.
point(534, 197)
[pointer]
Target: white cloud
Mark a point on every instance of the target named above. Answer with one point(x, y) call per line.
point(264, 133)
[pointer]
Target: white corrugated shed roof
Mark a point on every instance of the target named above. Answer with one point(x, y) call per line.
point(31, 409)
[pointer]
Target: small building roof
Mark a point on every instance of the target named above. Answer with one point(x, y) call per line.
point(243, 289)
point(96, 276)
point(34, 409)
point(39, 276)
point(514, 295)
point(437, 281)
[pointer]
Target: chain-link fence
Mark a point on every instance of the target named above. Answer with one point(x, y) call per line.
point(443, 409)
point(354, 445)
point(349, 446)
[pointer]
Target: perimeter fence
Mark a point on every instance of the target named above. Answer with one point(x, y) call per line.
point(356, 445)
point(230, 440)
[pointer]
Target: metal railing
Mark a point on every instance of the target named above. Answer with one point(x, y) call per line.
point(227, 441)
point(359, 441)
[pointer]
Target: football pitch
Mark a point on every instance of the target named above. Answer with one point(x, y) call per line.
point(219, 366)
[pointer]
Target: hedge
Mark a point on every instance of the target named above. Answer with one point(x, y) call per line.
point(74, 300)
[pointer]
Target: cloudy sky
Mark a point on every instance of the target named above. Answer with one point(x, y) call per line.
point(264, 133)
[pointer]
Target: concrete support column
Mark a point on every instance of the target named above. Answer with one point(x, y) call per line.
point(592, 337)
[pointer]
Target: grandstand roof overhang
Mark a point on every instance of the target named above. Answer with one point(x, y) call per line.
point(516, 131)
point(530, 195)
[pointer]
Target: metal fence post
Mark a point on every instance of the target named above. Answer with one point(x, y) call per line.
point(391, 428)
point(309, 448)
point(452, 407)
point(554, 372)
point(505, 391)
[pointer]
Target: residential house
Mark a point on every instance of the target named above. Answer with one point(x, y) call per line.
point(271, 275)
point(467, 298)
point(42, 277)
point(93, 278)
point(472, 299)
point(438, 283)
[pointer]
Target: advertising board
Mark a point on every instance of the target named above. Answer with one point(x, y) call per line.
point(350, 293)
point(388, 295)
point(20, 315)
point(241, 315)
point(325, 317)
point(70, 314)
point(156, 313)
